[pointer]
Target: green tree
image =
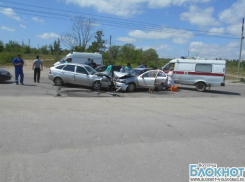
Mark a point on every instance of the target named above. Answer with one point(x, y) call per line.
point(106, 59)
point(27, 50)
point(128, 53)
point(57, 48)
point(150, 57)
point(51, 49)
point(115, 51)
point(44, 50)
point(13, 46)
point(1, 46)
point(99, 44)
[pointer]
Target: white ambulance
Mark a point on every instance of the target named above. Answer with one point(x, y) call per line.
point(82, 58)
point(200, 73)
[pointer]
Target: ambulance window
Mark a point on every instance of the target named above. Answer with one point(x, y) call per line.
point(185, 67)
point(207, 68)
point(168, 66)
point(171, 66)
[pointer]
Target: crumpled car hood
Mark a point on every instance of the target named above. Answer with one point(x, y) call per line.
point(122, 75)
point(102, 74)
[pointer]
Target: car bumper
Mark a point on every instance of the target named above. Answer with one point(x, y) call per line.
point(51, 77)
point(5, 77)
point(121, 86)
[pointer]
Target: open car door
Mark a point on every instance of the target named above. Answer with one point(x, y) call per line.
point(147, 79)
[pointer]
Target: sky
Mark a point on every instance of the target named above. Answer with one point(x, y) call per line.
point(174, 28)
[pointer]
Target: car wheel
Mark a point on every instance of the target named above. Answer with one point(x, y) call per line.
point(131, 87)
point(201, 86)
point(96, 85)
point(160, 87)
point(58, 81)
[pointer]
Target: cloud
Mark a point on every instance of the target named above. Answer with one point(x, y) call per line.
point(48, 36)
point(200, 17)
point(180, 41)
point(7, 28)
point(167, 3)
point(234, 14)
point(126, 39)
point(38, 19)
point(178, 35)
point(22, 26)
point(216, 31)
point(212, 51)
point(128, 8)
point(235, 29)
point(157, 47)
point(9, 12)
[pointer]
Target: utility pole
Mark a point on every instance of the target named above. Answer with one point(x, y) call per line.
point(240, 54)
point(110, 50)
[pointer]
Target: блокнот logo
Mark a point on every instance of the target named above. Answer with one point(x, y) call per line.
point(211, 172)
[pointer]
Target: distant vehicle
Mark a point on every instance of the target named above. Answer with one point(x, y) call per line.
point(4, 75)
point(200, 73)
point(140, 78)
point(103, 68)
point(82, 58)
point(80, 75)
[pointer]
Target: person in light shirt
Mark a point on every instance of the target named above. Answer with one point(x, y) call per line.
point(170, 77)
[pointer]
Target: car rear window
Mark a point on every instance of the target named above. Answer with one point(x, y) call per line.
point(60, 67)
point(207, 68)
point(69, 68)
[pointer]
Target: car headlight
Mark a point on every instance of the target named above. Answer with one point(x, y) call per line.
point(3, 73)
point(121, 80)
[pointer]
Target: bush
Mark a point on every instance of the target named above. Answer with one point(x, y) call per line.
point(7, 58)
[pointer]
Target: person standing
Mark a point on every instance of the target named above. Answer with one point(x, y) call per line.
point(142, 65)
point(170, 78)
point(128, 67)
point(122, 69)
point(109, 70)
point(88, 62)
point(18, 65)
point(93, 64)
point(37, 67)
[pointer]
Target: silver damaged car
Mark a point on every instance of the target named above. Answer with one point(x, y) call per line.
point(79, 74)
point(140, 78)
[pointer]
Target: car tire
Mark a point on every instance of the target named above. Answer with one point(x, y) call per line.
point(96, 85)
point(201, 86)
point(160, 87)
point(131, 87)
point(58, 81)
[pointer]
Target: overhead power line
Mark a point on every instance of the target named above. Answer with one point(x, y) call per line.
point(123, 20)
point(124, 24)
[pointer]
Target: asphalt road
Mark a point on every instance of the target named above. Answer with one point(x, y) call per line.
point(65, 134)
point(46, 88)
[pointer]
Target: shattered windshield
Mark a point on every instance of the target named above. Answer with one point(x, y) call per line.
point(134, 72)
point(90, 70)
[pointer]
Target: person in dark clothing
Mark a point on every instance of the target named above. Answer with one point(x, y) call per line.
point(37, 67)
point(93, 64)
point(18, 64)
